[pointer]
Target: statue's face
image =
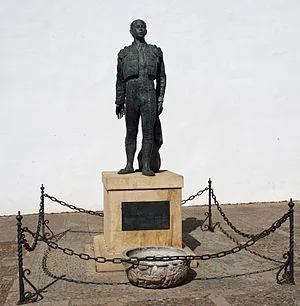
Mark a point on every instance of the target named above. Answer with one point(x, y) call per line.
point(138, 29)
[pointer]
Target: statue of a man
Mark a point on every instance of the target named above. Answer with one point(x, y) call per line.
point(139, 65)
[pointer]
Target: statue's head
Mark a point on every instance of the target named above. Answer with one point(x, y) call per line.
point(138, 29)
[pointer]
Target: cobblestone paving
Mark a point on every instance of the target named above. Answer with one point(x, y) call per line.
point(241, 278)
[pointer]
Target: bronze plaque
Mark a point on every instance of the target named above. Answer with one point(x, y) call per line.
point(138, 216)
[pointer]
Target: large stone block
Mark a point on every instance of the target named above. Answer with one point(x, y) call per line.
point(140, 211)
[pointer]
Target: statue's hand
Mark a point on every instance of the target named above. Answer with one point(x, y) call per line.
point(120, 108)
point(159, 108)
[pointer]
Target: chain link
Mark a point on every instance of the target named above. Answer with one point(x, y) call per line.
point(136, 260)
point(101, 214)
point(192, 197)
point(82, 210)
point(248, 243)
point(227, 220)
point(32, 247)
point(71, 280)
point(36, 236)
point(248, 250)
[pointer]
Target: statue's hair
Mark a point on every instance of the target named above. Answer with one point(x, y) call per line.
point(135, 21)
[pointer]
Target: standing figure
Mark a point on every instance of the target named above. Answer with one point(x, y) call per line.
point(137, 95)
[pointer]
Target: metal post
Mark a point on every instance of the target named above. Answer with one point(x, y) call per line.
point(291, 251)
point(42, 211)
point(210, 225)
point(20, 258)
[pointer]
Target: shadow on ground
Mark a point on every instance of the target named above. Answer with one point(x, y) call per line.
point(188, 226)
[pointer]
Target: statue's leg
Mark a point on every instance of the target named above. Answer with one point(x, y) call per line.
point(132, 123)
point(148, 114)
point(155, 162)
point(140, 162)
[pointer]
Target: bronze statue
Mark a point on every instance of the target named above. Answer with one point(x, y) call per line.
point(137, 96)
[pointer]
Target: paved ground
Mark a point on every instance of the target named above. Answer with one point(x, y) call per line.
point(238, 279)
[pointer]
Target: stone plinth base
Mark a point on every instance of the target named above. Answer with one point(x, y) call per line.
point(121, 191)
point(139, 211)
point(100, 250)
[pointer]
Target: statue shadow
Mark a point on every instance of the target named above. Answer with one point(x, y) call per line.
point(189, 225)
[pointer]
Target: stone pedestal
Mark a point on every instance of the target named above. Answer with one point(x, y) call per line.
point(139, 211)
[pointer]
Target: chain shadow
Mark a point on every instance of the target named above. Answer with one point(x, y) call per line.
point(37, 294)
point(63, 277)
point(191, 273)
point(236, 275)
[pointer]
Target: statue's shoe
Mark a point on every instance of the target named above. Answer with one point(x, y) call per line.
point(148, 172)
point(126, 171)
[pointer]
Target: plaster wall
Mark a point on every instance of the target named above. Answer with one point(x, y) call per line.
point(231, 106)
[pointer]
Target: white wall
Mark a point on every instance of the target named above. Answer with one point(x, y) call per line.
point(231, 105)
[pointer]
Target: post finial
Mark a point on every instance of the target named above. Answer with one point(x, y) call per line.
point(19, 217)
point(291, 203)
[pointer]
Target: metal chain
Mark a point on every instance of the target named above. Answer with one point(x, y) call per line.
point(94, 213)
point(32, 247)
point(274, 226)
point(227, 220)
point(248, 250)
point(250, 242)
point(91, 212)
point(136, 260)
point(71, 280)
point(82, 210)
point(192, 197)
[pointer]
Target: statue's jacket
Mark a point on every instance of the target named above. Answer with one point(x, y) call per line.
point(128, 68)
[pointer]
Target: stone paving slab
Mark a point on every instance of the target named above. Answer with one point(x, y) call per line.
point(241, 278)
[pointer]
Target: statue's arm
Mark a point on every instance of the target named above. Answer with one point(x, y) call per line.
point(161, 82)
point(120, 84)
point(120, 90)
